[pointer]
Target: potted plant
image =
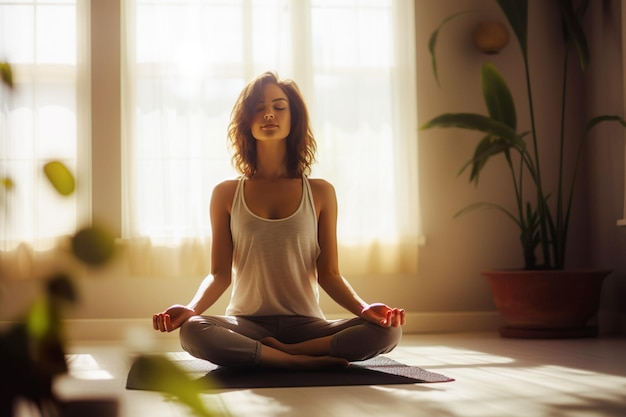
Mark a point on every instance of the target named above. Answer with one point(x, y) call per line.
point(543, 299)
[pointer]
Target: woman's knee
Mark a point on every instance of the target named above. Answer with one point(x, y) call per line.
point(388, 338)
point(207, 339)
point(193, 335)
point(394, 334)
point(365, 341)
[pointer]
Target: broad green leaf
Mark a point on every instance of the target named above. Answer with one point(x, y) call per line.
point(432, 42)
point(477, 122)
point(574, 30)
point(6, 73)
point(93, 245)
point(60, 177)
point(478, 161)
point(486, 148)
point(516, 12)
point(498, 97)
point(162, 375)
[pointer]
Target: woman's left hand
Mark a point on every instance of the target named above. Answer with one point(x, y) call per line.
point(383, 315)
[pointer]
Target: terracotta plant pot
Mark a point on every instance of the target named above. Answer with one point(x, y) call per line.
point(547, 303)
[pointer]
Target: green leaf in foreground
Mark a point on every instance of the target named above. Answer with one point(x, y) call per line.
point(7, 183)
point(164, 376)
point(93, 245)
point(60, 177)
point(6, 74)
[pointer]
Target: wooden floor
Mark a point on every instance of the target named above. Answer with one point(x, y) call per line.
point(494, 377)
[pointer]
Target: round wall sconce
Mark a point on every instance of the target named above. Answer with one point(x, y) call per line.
point(491, 37)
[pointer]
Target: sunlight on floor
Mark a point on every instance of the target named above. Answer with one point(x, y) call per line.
point(178, 356)
point(579, 390)
point(84, 366)
point(444, 355)
point(248, 402)
point(494, 377)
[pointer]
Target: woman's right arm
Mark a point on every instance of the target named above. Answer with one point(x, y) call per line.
point(214, 285)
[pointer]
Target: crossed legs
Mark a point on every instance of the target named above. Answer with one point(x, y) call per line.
point(286, 342)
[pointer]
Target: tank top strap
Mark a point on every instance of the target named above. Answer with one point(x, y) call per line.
point(309, 202)
point(238, 197)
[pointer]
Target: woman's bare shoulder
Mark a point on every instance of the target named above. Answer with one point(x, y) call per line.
point(320, 184)
point(323, 191)
point(230, 183)
point(225, 190)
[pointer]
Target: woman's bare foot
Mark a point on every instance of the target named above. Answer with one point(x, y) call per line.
point(272, 357)
point(311, 363)
point(277, 344)
point(312, 347)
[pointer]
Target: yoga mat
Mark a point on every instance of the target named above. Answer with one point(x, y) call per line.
point(377, 371)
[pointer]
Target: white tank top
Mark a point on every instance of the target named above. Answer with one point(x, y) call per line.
point(274, 260)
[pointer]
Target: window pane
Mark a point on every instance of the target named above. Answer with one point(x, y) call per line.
point(346, 35)
point(17, 25)
point(56, 34)
point(189, 37)
point(272, 29)
point(39, 118)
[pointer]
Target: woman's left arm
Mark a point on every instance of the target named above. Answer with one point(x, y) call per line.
point(329, 277)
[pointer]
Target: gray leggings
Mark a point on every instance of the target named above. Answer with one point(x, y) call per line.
point(234, 340)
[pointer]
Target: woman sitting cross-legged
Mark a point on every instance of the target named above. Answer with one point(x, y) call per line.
point(274, 240)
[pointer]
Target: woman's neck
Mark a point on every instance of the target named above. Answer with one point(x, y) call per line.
point(271, 160)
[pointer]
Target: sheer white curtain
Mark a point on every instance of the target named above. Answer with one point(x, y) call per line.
point(185, 64)
point(45, 117)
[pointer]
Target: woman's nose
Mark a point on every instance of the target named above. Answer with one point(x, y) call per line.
point(268, 116)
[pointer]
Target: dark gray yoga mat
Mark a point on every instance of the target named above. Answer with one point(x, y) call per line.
point(377, 371)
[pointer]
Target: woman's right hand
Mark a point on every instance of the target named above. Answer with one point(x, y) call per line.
point(172, 318)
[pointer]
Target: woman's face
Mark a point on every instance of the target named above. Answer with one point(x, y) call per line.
point(272, 116)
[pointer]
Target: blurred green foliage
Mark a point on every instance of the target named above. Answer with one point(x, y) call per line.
point(6, 74)
point(161, 374)
point(94, 245)
point(32, 352)
point(60, 177)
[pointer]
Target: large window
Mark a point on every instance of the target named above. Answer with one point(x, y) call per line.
point(186, 62)
point(45, 117)
point(183, 63)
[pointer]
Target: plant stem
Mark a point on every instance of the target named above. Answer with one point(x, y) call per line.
point(541, 206)
point(518, 187)
point(558, 241)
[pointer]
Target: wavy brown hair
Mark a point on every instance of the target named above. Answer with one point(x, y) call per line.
point(301, 144)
